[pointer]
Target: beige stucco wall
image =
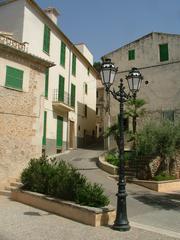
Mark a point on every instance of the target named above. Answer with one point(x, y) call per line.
point(21, 116)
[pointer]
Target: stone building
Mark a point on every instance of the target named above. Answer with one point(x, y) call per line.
point(157, 56)
point(70, 86)
point(21, 106)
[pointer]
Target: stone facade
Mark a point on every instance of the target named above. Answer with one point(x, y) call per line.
point(162, 94)
point(21, 112)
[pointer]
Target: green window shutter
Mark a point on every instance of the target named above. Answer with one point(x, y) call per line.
point(74, 65)
point(88, 71)
point(14, 78)
point(59, 134)
point(131, 54)
point(86, 88)
point(44, 128)
point(46, 42)
point(163, 52)
point(85, 111)
point(63, 54)
point(46, 82)
point(61, 89)
point(73, 95)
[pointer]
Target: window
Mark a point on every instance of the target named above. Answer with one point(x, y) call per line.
point(14, 78)
point(46, 42)
point(168, 115)
point(46, 82)
point(59, 133)
point(85, 110)
point(73, 95)
point(86, 88)
point(97, 94)
point(63, 54)
point(131, 54)
point(61, 89)
point(88, 71)
point(44, 129)
point(74, 65)
point(163, 52)
point(97, 111)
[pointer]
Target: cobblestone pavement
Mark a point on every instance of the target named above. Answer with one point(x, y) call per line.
point(22, 222)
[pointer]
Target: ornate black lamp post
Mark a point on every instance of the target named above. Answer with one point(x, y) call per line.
point(134, 79)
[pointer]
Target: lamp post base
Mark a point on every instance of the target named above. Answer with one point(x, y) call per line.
point(121, 227)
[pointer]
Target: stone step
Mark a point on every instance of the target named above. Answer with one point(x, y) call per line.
point(5, 193)
point(16, 184)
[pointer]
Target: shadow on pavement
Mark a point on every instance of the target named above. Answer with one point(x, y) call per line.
point(165, 201)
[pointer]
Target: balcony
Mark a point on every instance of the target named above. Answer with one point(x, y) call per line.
point(62, 103)
point(9, 41)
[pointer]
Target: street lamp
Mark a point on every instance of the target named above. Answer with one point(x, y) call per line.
point(134, 79)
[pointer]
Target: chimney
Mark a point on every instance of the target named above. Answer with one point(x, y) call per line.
point(52, 13)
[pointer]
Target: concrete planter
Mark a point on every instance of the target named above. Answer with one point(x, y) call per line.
point(87, 215)
point(107, 167)
point(159, 186)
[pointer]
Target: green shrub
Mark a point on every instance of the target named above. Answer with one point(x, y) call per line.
point(163, 177)
point(61, 180)
point(113, 157)
point(91, 195)
point(36, 176)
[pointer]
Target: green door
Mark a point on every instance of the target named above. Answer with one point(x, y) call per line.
point(59, 131)
point(61, 89)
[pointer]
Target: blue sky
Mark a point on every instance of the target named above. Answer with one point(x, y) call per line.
point(107, 25)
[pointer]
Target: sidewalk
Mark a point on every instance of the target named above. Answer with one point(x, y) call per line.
point(22, 222)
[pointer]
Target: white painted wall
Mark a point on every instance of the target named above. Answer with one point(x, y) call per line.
point(32, 31)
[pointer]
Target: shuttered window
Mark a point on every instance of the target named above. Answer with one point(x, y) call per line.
point(61, 89)
point(131, 54)
point(59, 134)
point(73, 95)
point(85, 111)
point(63, 54)
point(14, 78)
point(74, 65)
point(46, 82)
point(44, 128)
point(86, 88)
point(46, 42)
point(163, 52)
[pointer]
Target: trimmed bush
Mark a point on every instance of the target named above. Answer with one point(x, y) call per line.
point(61, 180)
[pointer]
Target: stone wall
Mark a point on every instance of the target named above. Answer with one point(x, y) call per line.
point(21, 118)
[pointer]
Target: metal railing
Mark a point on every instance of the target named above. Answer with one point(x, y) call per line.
point(62, 98)
point(13, 43)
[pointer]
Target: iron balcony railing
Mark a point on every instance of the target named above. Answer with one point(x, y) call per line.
point(63, 97)
point(13, 43)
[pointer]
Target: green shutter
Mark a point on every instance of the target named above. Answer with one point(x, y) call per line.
point(14, 78)
point(131, 54)
point(163, 52)
point(44, 128)
point(61, 89)
point(74, 65)
point(46, 42)
point(73, 95)
point(63, 54)
point(86, 88)
point(46, 82)
point(59, 131)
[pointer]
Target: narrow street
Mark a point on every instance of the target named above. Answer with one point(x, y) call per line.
point(145, 207)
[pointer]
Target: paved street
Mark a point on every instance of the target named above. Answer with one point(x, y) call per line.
point(22, 222)
point(145, 207)
point(152, 216)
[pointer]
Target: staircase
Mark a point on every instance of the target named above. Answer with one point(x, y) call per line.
point(12, 184)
